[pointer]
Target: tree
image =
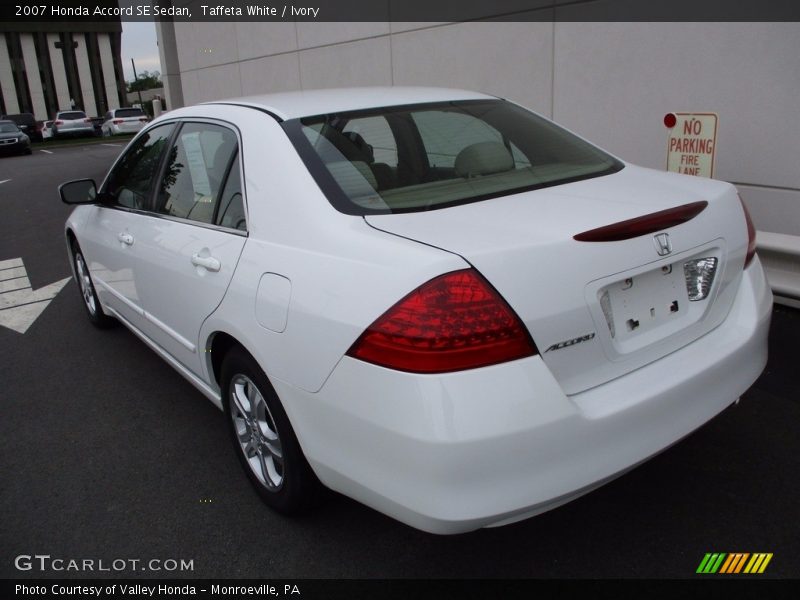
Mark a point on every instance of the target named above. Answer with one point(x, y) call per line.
point(145, 81)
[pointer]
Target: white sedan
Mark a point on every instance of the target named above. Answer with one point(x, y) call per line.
point(433, 301)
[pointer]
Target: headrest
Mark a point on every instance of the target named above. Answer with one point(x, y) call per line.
point(483, 158)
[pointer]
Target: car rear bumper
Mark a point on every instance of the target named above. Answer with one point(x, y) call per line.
point(126, 128)
point(88, 129)
point(486, 447)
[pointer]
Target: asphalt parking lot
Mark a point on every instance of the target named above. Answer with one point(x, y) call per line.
point(107, 453)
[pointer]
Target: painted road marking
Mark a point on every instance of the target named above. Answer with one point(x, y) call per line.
point(4, 180)
point(20, 304)
point(112, 145)
point(46, 151)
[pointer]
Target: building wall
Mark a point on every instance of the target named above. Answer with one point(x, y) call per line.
point(43, 74)
point(610, 82)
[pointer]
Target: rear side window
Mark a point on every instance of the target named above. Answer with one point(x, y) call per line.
point(72, 116)
point(438, 155)
point(197, 166)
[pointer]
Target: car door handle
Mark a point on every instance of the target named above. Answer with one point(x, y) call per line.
point(125, 238)
point(209, 262)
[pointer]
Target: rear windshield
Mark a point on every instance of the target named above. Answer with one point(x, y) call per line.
point(71, 116)
point(8, 128)
point(122, 113)
point(429, 156)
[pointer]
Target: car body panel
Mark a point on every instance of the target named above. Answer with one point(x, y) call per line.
point(456, 451)
point(453, 453)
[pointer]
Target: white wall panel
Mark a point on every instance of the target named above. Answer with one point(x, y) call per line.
point(512, 60)
point(107, 62)
point(85, 75)
point(7, 79)
point(32, 73)
point(367, 62)
point(270, 74)
point(615, 81)
point(59, 72)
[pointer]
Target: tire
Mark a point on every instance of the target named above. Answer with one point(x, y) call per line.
point(90, 302)
point(28, 152)
point(266, 446)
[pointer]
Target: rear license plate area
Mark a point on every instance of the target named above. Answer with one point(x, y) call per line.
point(644, 302)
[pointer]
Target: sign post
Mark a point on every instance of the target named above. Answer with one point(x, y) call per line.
point(691, 143)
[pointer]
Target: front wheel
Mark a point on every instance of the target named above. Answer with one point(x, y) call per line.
point(86, 287)
point(265, 442)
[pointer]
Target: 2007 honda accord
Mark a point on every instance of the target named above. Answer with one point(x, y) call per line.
point(433, 301)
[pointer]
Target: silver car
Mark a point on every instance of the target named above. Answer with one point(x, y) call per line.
point(72, 122)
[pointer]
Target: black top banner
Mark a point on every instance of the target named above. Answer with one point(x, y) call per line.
point(395, 10)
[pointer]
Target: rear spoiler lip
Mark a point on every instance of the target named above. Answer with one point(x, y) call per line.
point(638, 226)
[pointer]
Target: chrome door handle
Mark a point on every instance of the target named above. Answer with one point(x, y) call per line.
point(125, 238)
point(209, 262)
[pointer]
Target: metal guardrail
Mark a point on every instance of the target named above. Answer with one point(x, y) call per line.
point(780, 255)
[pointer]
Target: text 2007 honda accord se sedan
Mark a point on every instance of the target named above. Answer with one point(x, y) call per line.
point(433, 301)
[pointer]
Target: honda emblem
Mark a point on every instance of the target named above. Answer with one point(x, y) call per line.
point(663, 245)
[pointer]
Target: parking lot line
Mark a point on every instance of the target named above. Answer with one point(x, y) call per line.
point(113, 145)
point(5, 180)
point(46, 151)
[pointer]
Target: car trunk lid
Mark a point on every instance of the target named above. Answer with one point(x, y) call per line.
point(597, 309)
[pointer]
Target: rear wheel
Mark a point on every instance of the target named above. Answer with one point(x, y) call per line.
point(265, 442)
point(86, 287)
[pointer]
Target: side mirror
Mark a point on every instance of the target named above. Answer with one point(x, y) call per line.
point(80, 191)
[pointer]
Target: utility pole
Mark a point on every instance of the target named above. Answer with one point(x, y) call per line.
point(135, 79)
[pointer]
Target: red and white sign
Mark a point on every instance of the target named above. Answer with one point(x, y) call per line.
point(692, 143)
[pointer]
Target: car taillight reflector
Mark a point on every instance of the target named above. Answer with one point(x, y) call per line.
point(657, 221)
point(117, 121)
point(87, 120)
point(751, 235)
point(454, 322)
point(59, 122)
point(699, 274)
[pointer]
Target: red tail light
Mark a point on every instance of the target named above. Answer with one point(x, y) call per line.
point(87, 120)
point(143, 119)
point(117, 121)
point(455, 321)
point(751, 235)
point(625, 230)
point(59, 122)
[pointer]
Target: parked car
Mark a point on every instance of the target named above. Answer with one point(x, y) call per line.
point(13, 140)
point(123, 120)
point(27, 124)
point(47, 130)
point(72, 123)
point(434, 301)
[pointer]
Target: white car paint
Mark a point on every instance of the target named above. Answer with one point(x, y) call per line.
point(448, 452)
point(118, 122)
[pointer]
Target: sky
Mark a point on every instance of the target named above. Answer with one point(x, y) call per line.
point(139, 43)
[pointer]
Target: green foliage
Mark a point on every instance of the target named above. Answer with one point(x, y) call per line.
point(145, 81)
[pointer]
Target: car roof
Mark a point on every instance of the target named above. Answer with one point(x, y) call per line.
point(305, 103)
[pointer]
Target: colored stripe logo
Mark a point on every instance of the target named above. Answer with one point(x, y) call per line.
point(734, 562)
